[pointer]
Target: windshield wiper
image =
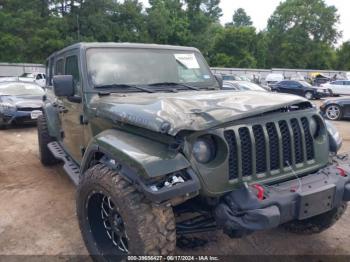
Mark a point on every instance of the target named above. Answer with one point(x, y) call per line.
point(174, 84)
point(124, 86)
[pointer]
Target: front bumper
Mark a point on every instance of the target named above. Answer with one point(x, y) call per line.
point(18, 117)
point(321, 94)
point(297, 199)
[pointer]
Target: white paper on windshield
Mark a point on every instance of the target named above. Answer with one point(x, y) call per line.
point(188, 60)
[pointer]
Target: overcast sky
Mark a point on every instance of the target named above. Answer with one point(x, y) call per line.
point(261, 10)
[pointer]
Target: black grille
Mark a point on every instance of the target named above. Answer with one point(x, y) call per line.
point(233, 157)
point(260, 149)
point(310, 154)
point(246, 147)
point(269, 137)
point(28, 108)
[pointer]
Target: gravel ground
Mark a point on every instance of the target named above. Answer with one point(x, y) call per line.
point(37, 211)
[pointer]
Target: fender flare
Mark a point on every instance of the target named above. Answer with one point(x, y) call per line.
point(147, 158)
point(142, 161)
point(52, 118)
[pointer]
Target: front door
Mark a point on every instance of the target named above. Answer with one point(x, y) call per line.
point(73, 138)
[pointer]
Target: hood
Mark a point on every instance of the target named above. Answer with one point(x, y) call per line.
point(172, 112)
point(23, 101)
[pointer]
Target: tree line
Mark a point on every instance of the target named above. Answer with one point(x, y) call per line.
point(299, 34)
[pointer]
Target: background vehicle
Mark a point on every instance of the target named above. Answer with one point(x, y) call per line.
point(336, 108)
point(338, 87)
point(231, 78)
point(20, 102)
point(319, 79)
point(273, 78)
point(242, 86)
point(300, 88)
point(157, 149)
point(38, 78)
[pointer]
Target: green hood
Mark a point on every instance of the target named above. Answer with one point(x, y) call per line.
point(172, 112)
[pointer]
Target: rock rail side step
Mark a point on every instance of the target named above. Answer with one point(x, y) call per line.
point(71, 168)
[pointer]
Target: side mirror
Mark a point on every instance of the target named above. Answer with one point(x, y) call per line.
point(220, 80)
point(63, 85)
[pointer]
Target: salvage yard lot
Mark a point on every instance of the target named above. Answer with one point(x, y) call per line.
point(37, 211)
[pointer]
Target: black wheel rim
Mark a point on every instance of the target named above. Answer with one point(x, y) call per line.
point(114, 224)
point(106, 225)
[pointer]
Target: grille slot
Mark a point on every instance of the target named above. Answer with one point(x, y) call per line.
point(271, 145)
point(246, 147)
point(274, 151)
point(286, 143)
point(310, 153)
point(233, 157)
point(298, 141)
point(260, 149)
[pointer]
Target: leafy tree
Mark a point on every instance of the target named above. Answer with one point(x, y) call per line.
point(236, 47)
point(343, 57)
point(298, 30)
point(167, 22)
point(240, 18)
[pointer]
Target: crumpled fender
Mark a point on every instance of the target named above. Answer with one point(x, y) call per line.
point(146, 157)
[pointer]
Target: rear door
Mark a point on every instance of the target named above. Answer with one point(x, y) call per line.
point(346, 87)
point(292, 87)
point(337, 87)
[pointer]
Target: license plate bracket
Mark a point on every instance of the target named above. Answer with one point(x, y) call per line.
point(316, 202)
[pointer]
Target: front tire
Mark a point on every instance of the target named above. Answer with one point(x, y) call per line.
point(309, 95)
point(333, 112)
point(44, 138)
point(317, 224)
point(116, 220)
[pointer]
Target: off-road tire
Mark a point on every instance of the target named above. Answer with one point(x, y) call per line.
point(150, 228)
point(46, 157)
point(317, 224)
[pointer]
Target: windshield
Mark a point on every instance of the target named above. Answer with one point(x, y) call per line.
point(20, 89)
point(304, 83)
point(126, 66)
point(252, 86)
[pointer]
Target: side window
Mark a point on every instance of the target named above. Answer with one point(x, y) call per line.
point(347, 83)
point(293, 84)
point(59, 67)
point(72, 68)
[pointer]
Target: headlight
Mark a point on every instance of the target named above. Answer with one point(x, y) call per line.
point(335, 140)
point(5, 107)
point(204, 150)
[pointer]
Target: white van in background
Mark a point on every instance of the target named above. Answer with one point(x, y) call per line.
point(274, 78)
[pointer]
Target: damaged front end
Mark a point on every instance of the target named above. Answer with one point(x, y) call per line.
point(264, 206)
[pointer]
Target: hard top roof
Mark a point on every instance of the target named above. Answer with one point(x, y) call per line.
point(84, 45)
